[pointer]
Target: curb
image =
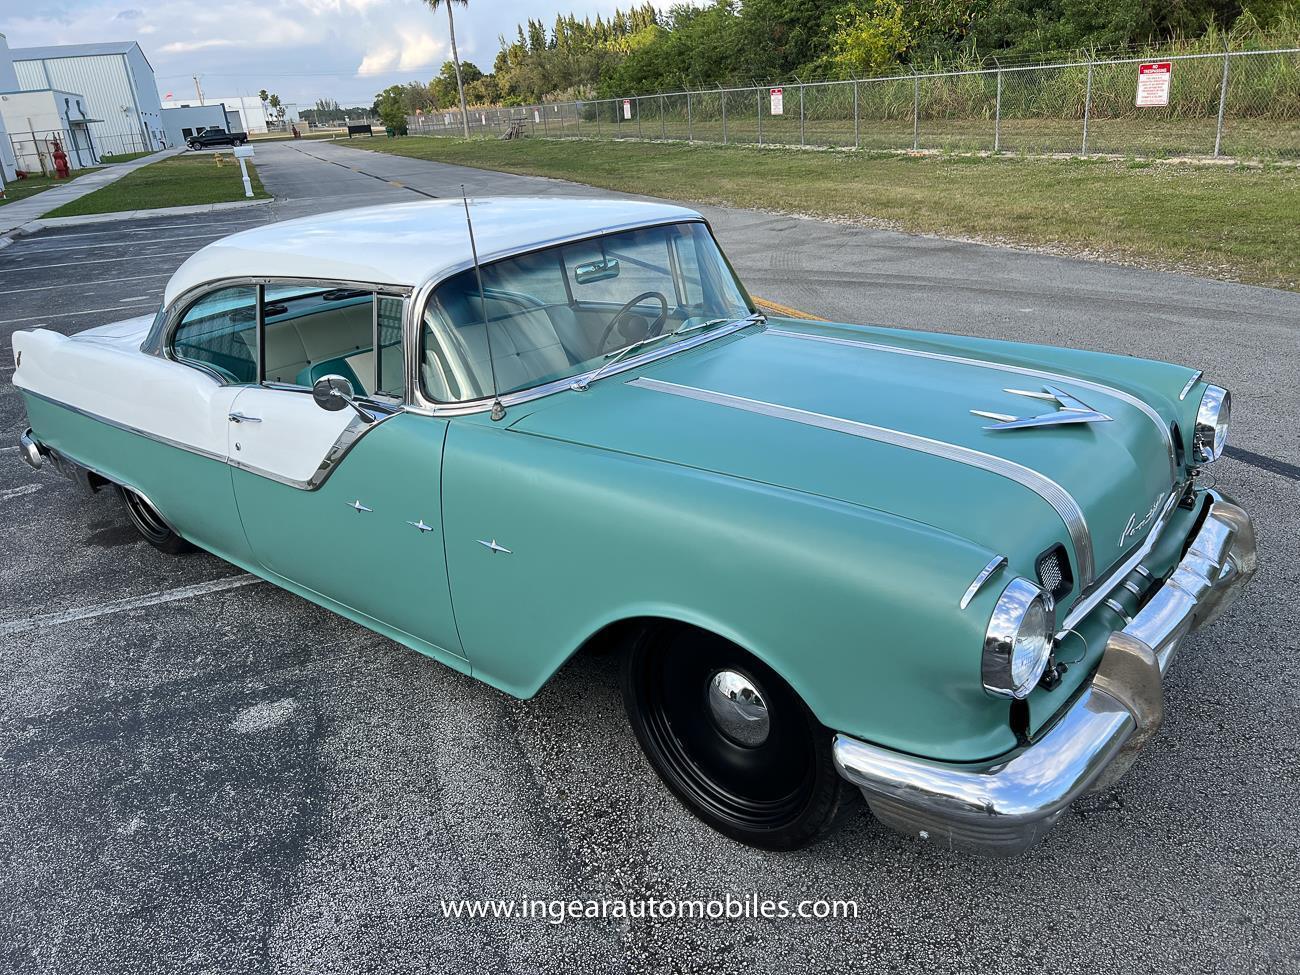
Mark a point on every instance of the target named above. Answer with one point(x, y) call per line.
point(42, 223)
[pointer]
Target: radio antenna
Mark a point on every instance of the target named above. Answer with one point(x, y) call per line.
point(498, 411)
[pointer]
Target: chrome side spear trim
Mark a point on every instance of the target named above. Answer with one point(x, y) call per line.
point(1047, 489)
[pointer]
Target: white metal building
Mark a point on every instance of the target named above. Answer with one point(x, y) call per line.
point(39, 122)
point(183, 121)
point(8, 82)
point(251, 112)
point(118, 84)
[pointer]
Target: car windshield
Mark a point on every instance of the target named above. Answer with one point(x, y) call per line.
point(565, 311)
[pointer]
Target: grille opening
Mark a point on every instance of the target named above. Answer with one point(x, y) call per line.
point(1054, 575)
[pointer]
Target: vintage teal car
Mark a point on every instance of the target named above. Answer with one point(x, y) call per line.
point(948, 571)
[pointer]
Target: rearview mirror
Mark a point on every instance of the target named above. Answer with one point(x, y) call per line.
point(335, 392)
point(601, 270)
point(332, 393)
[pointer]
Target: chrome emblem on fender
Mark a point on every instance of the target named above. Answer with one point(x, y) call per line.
point(1134, 526)
point(1069, 409)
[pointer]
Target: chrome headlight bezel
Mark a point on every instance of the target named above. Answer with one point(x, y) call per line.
point(1018, 641)
point(1213, 417)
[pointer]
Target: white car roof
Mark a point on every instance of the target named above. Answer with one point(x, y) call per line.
point(407, 244)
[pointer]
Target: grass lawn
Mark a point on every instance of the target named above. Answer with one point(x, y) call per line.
point(20, 189)
point(177, 181)
point(1228, 222)
point(121, 157)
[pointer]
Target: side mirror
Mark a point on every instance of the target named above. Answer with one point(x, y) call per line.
point(334, 393)
point(592, 271)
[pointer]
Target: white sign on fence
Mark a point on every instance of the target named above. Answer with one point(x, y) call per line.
point(627, 108)
point(537, 116)
point(483, 117)
point(1153, 84)
point(778, 101)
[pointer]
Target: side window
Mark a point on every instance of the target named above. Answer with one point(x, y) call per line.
point(219, 332)
point(312, 332)
point(390, 376)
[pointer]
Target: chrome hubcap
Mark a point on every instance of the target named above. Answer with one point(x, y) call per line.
point(738, 708)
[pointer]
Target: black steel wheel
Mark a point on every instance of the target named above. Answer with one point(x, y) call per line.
point(149, 523)
point(730, 738)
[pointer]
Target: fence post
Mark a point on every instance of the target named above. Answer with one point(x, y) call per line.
point(663, 126)
point(1223, 98)
point(690, 130)
point(1087, 108)
point(857, 136)
point(801, 115)
point(722, 93)
point(597, 118)
point(759, 93)
point(638, 117)
point(997, 117)
point(546, 131)
point(916, 112)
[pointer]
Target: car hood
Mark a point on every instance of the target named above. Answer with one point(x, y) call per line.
point(885, 421)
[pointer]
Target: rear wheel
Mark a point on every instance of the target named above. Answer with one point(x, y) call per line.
point(731, 739)
point(150, 523)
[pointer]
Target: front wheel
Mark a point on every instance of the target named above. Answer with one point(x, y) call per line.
point(149, 523)
point(731, 739)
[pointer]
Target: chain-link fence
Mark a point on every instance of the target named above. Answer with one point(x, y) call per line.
point(1238, 103)
point(34, 150)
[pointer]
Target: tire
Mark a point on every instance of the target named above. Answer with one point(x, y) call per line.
point(150, 524)
point(757, 769)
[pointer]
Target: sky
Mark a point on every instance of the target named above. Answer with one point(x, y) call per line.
point(302, 50)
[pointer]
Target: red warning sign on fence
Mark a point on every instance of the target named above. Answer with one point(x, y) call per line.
point(1153, 84)
point(778, 101)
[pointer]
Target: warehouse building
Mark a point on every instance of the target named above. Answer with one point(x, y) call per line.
point(246, 113)
point(116, 81)
point(184, 121)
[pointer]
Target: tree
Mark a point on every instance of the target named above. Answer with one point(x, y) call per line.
point(455, 57)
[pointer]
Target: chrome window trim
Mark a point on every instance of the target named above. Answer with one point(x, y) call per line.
point(1051, 492)
point(343, 444)
point(158, 342)
point(1119, 394)
point(425, 406)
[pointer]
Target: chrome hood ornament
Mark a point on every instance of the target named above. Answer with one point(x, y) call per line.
point(1069, 409)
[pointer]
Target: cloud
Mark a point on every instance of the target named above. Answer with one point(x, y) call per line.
point(303, 49)
point(186, 47)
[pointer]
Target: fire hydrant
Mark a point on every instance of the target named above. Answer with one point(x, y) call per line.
point(61, 169)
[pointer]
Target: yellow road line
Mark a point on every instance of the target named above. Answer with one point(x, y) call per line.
point(785, 312)
point(397, 184)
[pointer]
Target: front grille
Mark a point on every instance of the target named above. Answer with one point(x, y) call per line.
point(1054, 574)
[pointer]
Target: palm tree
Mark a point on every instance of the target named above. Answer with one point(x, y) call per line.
point(460, 85)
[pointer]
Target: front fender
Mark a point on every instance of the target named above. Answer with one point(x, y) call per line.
point(856, 608)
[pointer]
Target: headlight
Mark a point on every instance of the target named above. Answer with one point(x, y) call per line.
point(1018, 641)
point(1212, 424)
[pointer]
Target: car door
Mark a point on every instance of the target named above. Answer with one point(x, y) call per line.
point(346, 509)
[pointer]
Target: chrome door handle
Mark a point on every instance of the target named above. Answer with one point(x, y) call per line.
point(241, 418)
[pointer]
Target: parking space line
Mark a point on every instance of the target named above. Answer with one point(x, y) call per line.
point(116, 243)
point(60, 314)
point(131, 230)
point(121, 605)
point(97, 260)
point(64, 285)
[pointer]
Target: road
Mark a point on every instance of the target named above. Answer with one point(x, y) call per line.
point(228, 778)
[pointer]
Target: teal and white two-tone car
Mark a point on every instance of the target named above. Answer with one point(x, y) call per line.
point(946, 570)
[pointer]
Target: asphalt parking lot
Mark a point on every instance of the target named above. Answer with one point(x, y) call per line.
point(199, 773)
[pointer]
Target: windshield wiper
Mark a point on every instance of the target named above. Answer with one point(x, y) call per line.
point(581, 383)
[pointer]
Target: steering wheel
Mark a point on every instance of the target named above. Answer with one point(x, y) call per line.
point(656, 326)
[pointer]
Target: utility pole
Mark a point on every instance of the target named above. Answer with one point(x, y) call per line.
point(197, 89)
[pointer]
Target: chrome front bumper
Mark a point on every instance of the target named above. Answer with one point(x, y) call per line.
point(1006, 806)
